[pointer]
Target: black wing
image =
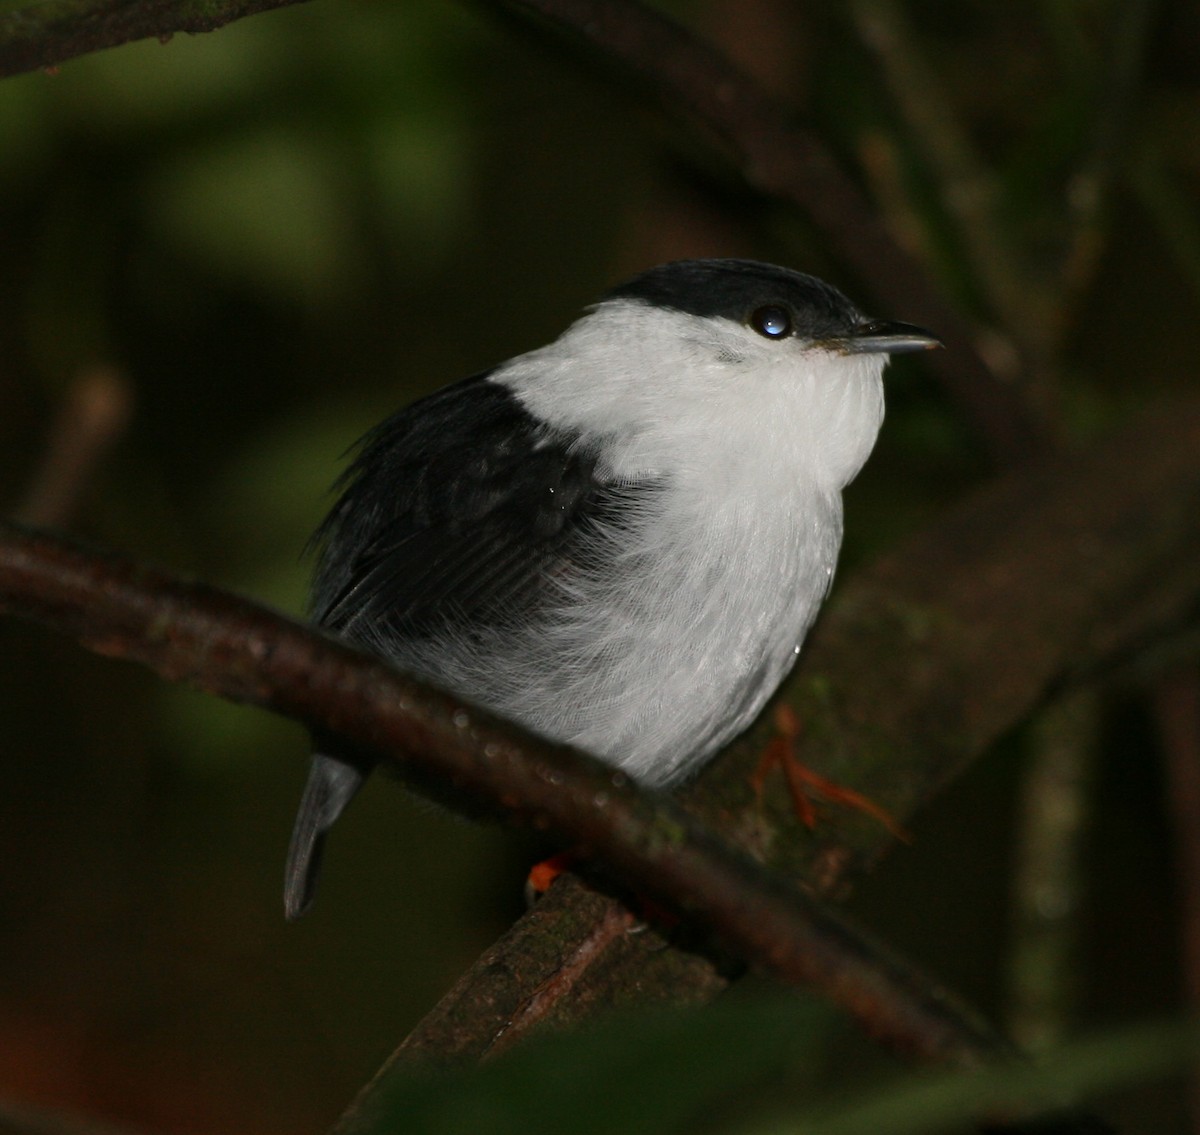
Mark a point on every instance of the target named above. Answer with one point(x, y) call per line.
point(451, 514)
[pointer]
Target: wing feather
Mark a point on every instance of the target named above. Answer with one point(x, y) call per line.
point(452, 515)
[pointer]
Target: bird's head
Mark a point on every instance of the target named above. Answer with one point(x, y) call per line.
point(699, 358)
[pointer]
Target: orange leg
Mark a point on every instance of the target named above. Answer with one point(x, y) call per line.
point(542, 874)
point(802, 782)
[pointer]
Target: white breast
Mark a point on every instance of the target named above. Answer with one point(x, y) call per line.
point(694, 642)
point(658, 663)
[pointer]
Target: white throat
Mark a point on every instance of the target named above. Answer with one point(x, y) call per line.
point(672, 393)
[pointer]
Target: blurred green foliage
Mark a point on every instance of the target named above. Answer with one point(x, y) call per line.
point(282, 231)
point(649, 1071)
point(738, 1067)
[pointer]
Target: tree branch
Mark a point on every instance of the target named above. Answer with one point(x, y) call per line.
point(231, 647)
point(966, 187)
point(48, 33)
point(1039, 581)
point(775, 155)
point(91, 419)
point(788, 163)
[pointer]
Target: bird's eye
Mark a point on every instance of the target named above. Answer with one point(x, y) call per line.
point(772, 321)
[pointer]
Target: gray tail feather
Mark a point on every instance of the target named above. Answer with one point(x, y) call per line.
point(332, 784)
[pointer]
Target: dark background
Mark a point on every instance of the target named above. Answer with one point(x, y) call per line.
point(280, 232)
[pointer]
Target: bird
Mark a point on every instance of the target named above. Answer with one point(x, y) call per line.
point(618, 540)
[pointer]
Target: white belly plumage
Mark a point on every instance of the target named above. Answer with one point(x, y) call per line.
point(653, 668)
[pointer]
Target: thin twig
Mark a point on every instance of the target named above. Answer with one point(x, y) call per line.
point(967, 188)
point(93, 416)
point(1089, 193)
point(43, 35)
point(776, 156)
point(789, 163)
point(234, 648)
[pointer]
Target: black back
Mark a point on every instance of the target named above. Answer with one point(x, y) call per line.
point(450, 515)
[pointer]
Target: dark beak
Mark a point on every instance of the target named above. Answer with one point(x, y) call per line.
point(883, 337)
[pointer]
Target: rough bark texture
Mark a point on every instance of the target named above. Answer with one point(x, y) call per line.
point(1035, 581)
point(918, 665)
point(434, 740)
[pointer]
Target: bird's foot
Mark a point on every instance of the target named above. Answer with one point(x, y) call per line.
point(542, 875)
point(803, 783)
